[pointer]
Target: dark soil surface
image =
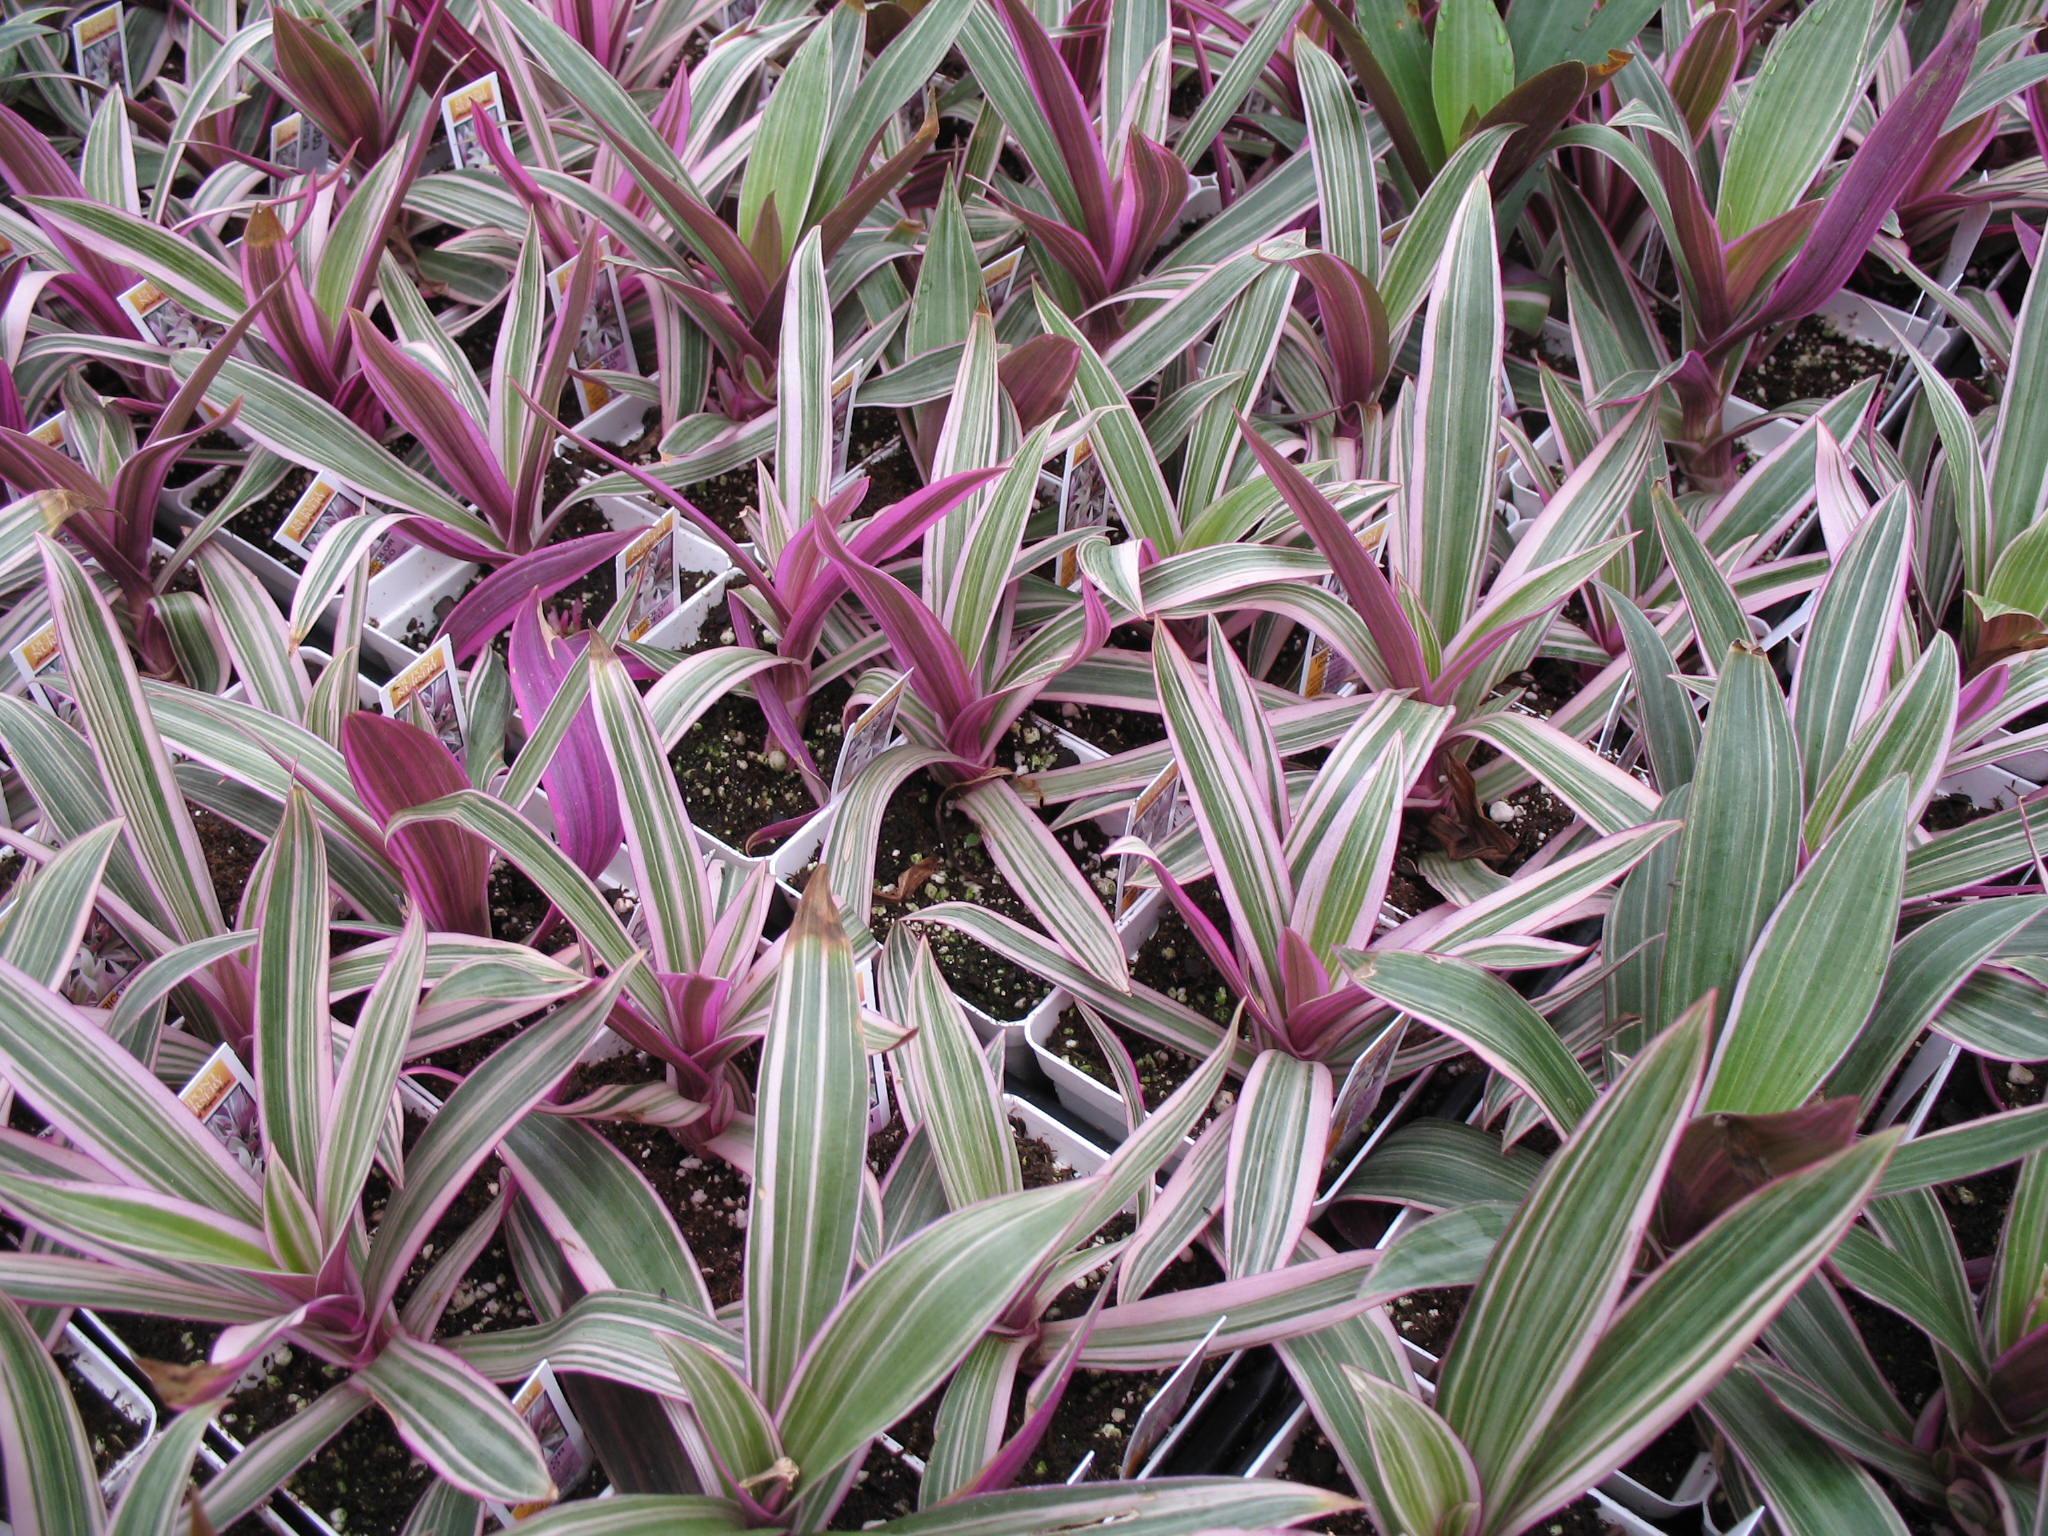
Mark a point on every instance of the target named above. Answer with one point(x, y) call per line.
point(707, 1197)
point(1172, 961)
point(231, 856)
point(110, 1431)
point(1812, 363)
point(1314, 1461)
point(736, 781)
point(927, 853)
point(255, 523)
point(1161, 1068)
point(1113, 730)
point(1661, 1465)
point(1429, 1319)
point(517, 905)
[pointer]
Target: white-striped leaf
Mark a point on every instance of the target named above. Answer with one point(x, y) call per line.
point(956, 1099)
point(52, 1488)
point(1427, 1482)
point(1277, 1138)
point(456, 1421)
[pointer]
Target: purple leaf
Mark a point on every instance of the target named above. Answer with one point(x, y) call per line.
point(290, 319)
point(1150, 196)
point(33, 168)
point(1037, 375)
point(427, 408)
point(1067, 116)
point(1879, 173)
point(330, 82)
point(918, 636)
point(1355, 325)
point(490, 605)
point(1365, 585)
point(578, 779)
point(1706, 67)
point(1070, 248)
point(1721, 1159)
point(395, 766)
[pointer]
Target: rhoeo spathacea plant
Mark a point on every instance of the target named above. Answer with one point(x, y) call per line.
point(159, 1218)
point(1561, 1371)
point(1753, 253)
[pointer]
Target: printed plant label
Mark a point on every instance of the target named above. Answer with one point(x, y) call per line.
point(645, 575)
point(299, 142)
point(1155, 812)
point(458, 113)
point(1085, 502)
point(603, 342)
point(223, 1095)
point(35, 659)
point(563, 1445)
point(869, 736)
point(99, 47)
point(428, 695)
point(164, 320)
point(319, 507)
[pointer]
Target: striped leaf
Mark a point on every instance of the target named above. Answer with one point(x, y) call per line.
point(810, 1137)
point(1045, 875)
point(1345, 180)
point(1485, 1015)
point(803, 398)
point(369, 1072)
point(104, 1218)
point(912, 1317)
point(1846, 659)
point(1277, 1137)
point(1716, 611)
point(103, 1099)
point(1670, 723)
point(1793, 114)
point(134, 766)
point(1565, 1260)
point(293, 1035)
point(52, 1488)
point(955, 1098)
point(475, 1118)
point(1810, 1485)
point(1741, 842)
point(1251, 871)
point(1817, 966)
point(456, 1421)
point(42, 927)
point(155, 1497)
point(1437, 1165)
point(1448, 513)
point(1427, 1482)
point(1609, 799)
point(1687, 1324)
point(741, 1434)
point(661, 846)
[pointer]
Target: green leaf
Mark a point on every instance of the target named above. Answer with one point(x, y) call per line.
point(456, 1421)
point(294, 1046)
point(1687, 1324)
point(2019, 455)
point(1346, 185)
point(1486, 1015)
point(41, 929)
point(1793, 114)
point(1809, 1485)
point(1471, 66)
point(948, 1082)
point(1427, 1482)
point(52, 1489)
point(789, 146)
point(1815, 973)
point(741, 1434)
point(369, 1073)
point(1565, 1260)
point(1439, 1165)
point(1909, 734)
point(154, 1499)
point(911, 1318)
point(809, 1141)
point(1846, 659)
point(1741, 842)
point(1964, 1151)
point(1277, 1137)
point(1448, 515)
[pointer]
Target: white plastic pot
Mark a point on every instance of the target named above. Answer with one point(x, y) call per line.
point(123, 1392)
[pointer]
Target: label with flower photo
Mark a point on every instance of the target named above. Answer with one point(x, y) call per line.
point(300, 143)
point(223, 1095)
point(1155, 812)
point(164, 320)
point(429, 695)
point(645, 576)
point(55, 432)
point(319, 507)
point(99, 47)
point(458, 117)
point(35, 659)
point(563, 1445)
point(1085, 502)
point(869, 736)
point(603, 342)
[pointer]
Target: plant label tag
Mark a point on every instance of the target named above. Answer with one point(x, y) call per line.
point(646, 577)
point(1153, 814)
point(869, 736)
point(55, 432)
point(563, 1445)
point(999, 279)
point(99, 47)
point(458, 112)
point(1166, 1404)
point(426, 694)
point(35, 659)
point(223, 1095)
point(603, 341)
point(844, 388)
point(299, 142)
point(319, 507)
point(163, 320)
point(1085, 502)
